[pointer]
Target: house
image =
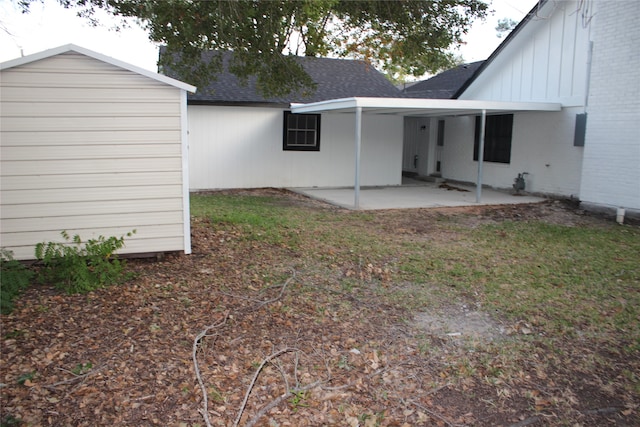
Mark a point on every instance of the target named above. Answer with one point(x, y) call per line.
point(544, 59)
point(585, 56)
point(558, 101)
point(94, 146)
point(239, 139)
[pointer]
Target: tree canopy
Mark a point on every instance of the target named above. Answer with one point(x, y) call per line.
point(505, 26)
point(406, 36)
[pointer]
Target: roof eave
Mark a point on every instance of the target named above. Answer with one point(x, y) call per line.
point(221, 103)
point(421, 107)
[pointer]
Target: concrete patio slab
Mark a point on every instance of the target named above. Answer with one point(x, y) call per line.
point(415, 194)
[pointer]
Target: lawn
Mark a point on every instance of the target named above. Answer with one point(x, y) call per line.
point(293, 312)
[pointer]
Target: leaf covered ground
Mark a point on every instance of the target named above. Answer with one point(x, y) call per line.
point(291, 312)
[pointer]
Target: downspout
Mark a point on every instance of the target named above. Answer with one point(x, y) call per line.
point(588, 79)
point(483, 122)
point(356, 187)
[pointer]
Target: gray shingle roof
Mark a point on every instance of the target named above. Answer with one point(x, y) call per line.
point(443, 85)
point(335, 78)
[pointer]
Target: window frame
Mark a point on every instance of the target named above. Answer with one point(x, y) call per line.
point(498, 138)
point(315, 130)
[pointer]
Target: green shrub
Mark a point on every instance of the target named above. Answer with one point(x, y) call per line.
point(79, 267)
point(14, 278)
point(9, 420)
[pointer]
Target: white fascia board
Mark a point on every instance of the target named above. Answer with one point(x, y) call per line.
point(400, 106)
point(100, 57)
point(330, 105)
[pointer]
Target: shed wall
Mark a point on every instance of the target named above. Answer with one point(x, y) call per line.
point(89, 148)
point(241, 147)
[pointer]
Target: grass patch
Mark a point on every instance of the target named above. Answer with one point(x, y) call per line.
point(574, 287)
point(564, 279)
point(272, 219)
point(568, 279)
point(260, 218)
point(485, 316)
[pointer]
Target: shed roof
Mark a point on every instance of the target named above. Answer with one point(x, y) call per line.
point(335, 78)
point(443, 85)
point(100, 57)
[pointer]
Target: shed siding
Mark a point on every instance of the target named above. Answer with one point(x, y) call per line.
point(92, 149)
point(546, 61)
point(241, 147)
point(611, 172)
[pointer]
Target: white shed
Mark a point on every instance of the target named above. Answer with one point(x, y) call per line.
point(93, 146)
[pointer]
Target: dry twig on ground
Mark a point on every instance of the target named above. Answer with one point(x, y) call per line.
point(196, 342)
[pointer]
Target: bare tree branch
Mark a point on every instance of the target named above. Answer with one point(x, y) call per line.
point(205, 398)
point(255, 377)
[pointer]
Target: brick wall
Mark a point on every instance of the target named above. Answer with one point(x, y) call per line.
point(611, 164)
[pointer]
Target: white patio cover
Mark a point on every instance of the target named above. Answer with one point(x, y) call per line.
point(419, 108)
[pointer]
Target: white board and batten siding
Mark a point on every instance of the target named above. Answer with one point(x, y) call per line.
point(92, 148)
point(546, 61)
point(241, 147)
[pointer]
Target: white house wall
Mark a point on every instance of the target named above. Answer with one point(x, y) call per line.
point(611, 171)
point(89, 148)
point(241, 147)
point(542, 146)
point(546, 61)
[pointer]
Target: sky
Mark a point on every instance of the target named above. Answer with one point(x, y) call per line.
point(49, 25)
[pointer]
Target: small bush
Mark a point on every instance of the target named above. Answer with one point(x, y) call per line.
point(80, 267)
point(14, 278)
point(9, 420)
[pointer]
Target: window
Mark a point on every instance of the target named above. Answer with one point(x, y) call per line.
point(440, 133)
point(301, 132)
point(581, 130)
point(497, 138)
